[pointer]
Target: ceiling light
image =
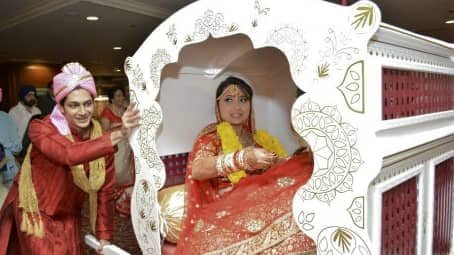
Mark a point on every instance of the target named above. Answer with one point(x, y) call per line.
point(450, 21)
point(117, 48)
point(212, 72)
point(91, 18)
point(101, 98)
point(118, 70)
point(35, 67)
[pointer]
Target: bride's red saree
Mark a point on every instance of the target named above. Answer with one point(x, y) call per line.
point(252, 217)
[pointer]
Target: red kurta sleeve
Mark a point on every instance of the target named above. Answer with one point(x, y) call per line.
point(105, 216)
point(63, 151)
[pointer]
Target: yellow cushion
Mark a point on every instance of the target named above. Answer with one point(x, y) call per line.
point(171, 200)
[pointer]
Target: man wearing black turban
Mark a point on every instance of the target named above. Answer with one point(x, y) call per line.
point(25, 109)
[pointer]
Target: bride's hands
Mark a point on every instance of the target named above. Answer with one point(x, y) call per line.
point(258, 158)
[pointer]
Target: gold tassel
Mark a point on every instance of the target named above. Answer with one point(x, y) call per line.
point(25, 224)
point(31, 220)
point(93, 203)
point(39, 231)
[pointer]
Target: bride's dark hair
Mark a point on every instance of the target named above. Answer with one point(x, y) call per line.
point(247, 90)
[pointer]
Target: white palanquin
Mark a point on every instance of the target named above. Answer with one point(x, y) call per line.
point(277, 46)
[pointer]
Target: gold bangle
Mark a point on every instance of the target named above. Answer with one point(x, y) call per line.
point(240, 159)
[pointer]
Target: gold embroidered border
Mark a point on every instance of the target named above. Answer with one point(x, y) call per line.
point(281, 229)
point(311, 252)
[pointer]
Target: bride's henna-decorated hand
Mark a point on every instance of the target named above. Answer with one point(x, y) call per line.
point(258, 158)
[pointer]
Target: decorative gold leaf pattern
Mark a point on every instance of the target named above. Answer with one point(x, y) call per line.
point(343, 239)
point(233, 27)
point(153, 225)
point(145, 186)
point(323, 70)
point(366, 14)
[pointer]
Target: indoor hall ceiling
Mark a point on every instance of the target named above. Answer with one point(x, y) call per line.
point(55, 31)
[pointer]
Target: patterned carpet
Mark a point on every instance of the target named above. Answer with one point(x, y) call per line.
point(124, 234)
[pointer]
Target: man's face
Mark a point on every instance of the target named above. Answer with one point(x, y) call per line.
point(78, 109)
point(30, 99)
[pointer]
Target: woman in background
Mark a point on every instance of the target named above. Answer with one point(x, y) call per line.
point(124, 168)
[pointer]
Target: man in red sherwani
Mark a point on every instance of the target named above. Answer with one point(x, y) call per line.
point(69, 157)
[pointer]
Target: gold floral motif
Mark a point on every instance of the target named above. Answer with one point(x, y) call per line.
point(142, 214)
point(255, 225)
point(145, 186)
point(199, 226)
point(285, 181)
point(204, 152)
point(153, 225)
point(222, 214)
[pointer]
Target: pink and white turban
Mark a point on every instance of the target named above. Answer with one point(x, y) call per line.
point(72, 75)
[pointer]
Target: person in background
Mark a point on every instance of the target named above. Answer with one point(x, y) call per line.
point(25, 109)
point(26, 139)
point(47, 102)
point(240, 185)
point(124, 168)
point(127, 97)
point(10, 145)
point(111, 115)
point(69, 158)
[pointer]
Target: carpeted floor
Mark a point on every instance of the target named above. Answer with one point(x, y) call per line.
point(124, 234)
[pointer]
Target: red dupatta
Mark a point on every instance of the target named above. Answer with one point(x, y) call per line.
point(252, 217)
point(245, 217)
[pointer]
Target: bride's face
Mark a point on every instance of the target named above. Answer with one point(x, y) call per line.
point(234, 105)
